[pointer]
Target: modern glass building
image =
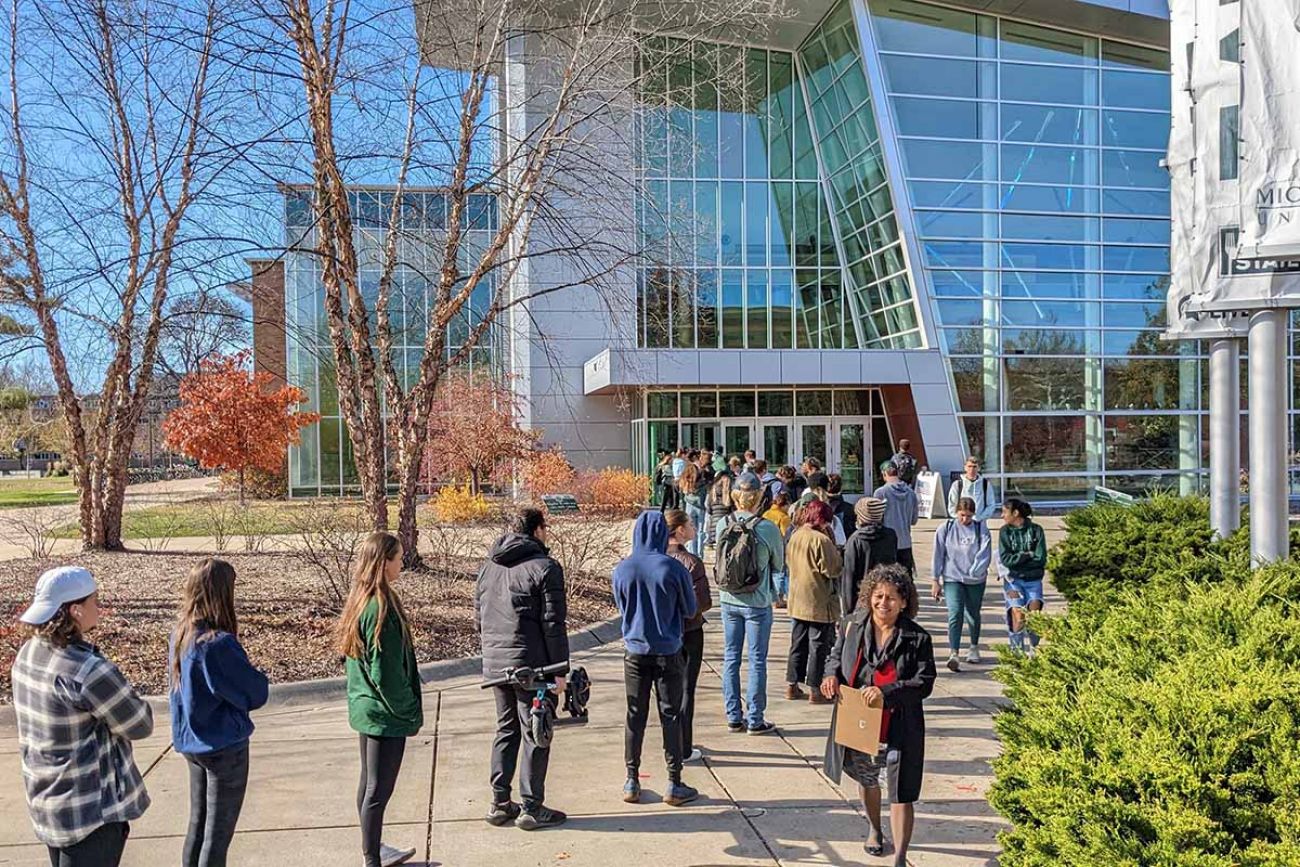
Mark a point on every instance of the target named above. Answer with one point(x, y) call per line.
point(322, 462)
point(886, 219)
point(920, 177)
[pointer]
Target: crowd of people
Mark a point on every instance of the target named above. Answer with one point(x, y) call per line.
point(844, 573)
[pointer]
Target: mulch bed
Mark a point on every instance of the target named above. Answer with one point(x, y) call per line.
point(285, 618)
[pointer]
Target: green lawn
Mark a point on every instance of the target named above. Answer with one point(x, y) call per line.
point(212, 517)
point(49, 491)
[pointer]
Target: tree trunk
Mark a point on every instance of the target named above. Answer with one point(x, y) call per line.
point(408, 533)
point(241, 487)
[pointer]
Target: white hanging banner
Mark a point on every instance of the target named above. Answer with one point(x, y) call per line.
point(1270, 134)
point(1211, 155)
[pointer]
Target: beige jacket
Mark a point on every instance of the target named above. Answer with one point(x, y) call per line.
point(814, 564)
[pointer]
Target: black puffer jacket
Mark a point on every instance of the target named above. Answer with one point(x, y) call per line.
point(520, 606)
point(870, 545)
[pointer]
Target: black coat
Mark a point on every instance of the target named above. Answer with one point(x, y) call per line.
point(843, 512)
point(520, 606)
point(868, 546)
point(913, 657)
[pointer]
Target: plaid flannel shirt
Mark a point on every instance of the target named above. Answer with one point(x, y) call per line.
point(77, 716)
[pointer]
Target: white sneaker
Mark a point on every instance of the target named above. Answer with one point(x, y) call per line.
point(973, 655)
point(390, 856)
point(953, 664)
point(695, 756)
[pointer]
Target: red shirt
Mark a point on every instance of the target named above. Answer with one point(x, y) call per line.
point(880, 677)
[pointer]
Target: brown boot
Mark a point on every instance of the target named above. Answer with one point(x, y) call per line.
point(815, 697)
point(793, 692)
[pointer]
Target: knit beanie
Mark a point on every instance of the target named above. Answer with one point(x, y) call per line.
point(869, 510)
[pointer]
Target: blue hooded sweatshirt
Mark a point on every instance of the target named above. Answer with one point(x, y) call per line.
point(217, 689)
point(653, 591)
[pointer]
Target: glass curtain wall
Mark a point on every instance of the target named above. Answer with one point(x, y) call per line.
point(843, 120)
point(1032, 162)
point(739, 251)
point(322, 463)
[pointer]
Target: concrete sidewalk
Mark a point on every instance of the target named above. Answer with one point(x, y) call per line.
point(763, 799)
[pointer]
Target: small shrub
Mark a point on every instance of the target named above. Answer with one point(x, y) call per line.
point(549, 472)
point(459, 505)
point(1109, 546)
point(259, 484)
point(1160, 726)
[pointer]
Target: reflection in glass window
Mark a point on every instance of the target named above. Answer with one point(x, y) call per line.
point(1142, 442)
point(1045, 384)
point(915, 28)
point(1022, 41)
point(1046, 443)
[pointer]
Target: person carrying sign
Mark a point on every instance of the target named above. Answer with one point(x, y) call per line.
point(881, 650)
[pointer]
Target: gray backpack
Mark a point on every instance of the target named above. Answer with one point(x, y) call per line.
point(736, 569)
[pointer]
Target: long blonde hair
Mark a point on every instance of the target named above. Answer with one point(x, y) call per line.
point(370, 581)
point(207, 607)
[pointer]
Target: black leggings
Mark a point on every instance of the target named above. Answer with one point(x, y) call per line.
point(381, 759)
point(693, 648)
point(103, 848)
point(217, 785)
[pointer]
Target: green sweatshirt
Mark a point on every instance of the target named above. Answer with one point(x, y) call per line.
point(1023, 550)
point(384, 688)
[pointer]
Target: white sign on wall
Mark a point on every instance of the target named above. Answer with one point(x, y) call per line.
point(928, 495)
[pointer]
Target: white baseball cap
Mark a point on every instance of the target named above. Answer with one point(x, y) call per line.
point(54, 589)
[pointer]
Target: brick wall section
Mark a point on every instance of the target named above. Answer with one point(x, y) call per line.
point(268, 318)
point(903, 422)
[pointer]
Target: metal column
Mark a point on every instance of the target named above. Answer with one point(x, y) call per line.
point(1225, 436)
point(1268, 439)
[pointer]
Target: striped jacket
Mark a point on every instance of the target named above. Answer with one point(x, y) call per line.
point(77, 716)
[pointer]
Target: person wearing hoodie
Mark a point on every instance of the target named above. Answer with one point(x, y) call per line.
point(901, 512)
point(963, 549)
point(520, 608)
point(872, 544)
point(1022, 549)
point(655, 596)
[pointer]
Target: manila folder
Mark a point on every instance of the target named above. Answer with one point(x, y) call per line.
point(856, 724)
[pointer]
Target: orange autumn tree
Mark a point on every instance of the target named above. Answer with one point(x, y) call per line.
point(230, 419)
point(475, 432)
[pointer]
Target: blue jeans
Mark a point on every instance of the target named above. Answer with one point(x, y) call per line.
point(963, 601)
point(782, 581)
point(743, 626)
point(697, 515)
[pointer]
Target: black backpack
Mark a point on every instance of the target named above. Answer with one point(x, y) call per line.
point(736, 569)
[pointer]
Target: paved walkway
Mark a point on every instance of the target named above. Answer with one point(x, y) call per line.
point(763, 802)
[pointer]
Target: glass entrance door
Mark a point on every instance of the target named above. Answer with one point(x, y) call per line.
point(851, 459)
point(814, 441)
point(700, 435)
point(776, 444)
point(737, 439)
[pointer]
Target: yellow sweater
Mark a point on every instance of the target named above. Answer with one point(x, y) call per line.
point(780, 517)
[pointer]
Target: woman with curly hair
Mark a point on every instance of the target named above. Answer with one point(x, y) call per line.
point(882, 651)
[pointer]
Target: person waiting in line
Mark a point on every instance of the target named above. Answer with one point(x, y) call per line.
point(751, 457)
point(779, 513)
point(693, 491)
point(971, 484)
point(785, 482)
point(384, 704)
point(902, 510)
point(520, 609)
point(747, 615)
point(1022, 549)
point(655, 597)
point(664, 482)
point(77, 716)
point(680, 531)
point(680, 460)
point(814, 565)
point(882, 650)
point(214, 686)
point(719, 464)
point(718, 505)
point(735, 466)
point(842, 509)
point(768, 482)
point(872, 544)
point(705, 466)
point(814, 489)
point(906, 462)
point(798, 483)
point(963, 549)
